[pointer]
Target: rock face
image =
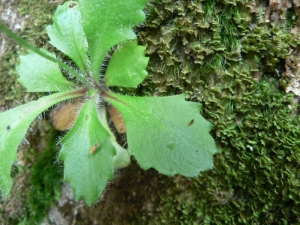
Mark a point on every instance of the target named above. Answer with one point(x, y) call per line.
point(237, 57)
point(8, 15)
point(11, 17)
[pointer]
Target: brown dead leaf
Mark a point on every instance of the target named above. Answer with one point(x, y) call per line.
point(64, 116)
point(117, 119)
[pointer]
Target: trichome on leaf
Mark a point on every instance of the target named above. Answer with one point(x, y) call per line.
point(165, 133)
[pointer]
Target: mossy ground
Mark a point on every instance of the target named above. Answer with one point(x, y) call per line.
point(227, 55)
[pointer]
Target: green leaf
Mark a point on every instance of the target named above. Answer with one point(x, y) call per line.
point(67, 34)
point(166, 133)
point(38, 74)
point(107, 23)
point(87, 151)
point(127, 67)
point(13, 127)
point(44, 54)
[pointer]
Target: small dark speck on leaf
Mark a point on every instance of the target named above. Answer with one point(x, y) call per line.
point(8, 128)
point(72, 4)
point(86, 117)
point(191, 122)
point(171, 145)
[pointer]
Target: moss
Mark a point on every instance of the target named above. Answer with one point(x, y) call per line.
point(201, 38)
point(37, 181)
point(10, 90)
point(45, 181)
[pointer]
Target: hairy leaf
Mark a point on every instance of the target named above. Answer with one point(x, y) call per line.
point(127, 67)
point(36, 50)
point(67, 34)
point(107, 23)
point(87, 151)
point(13, 127)
point(39, 74)
point(167, 133)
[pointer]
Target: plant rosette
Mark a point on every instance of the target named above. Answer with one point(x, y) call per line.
point(165, 133)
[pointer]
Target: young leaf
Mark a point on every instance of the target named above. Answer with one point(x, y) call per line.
point(37, 51)
point(13, 127)
point(67, 34)
point(39, 74)
point(166, 133)
point(127, 67)
point(87, 151)
point(107, 23)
